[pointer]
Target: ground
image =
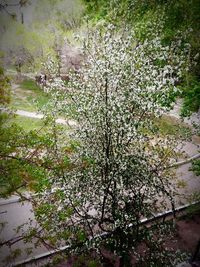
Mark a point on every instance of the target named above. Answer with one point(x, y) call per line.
point(185, 239)
point(27, 95)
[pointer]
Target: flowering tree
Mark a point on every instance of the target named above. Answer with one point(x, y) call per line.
point(117, 164)
point(114, 171)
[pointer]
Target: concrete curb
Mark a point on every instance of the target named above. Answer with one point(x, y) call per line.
point(104, 234)
point(10, 200)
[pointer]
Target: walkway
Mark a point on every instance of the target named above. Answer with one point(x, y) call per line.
point(15, 214)
point(40, 116)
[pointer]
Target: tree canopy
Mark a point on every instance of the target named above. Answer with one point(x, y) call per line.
point(115, 168)
point(96, 182)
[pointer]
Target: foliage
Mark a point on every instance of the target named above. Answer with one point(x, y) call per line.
point(17, 171)
point(176, 11)
point(93, 191)
point(27, 158)
point(4, 89)
point(22, 140)
point(97, 8)
point(174, 15)
point(41, 32)
point(21, 57)
point(28, 96)
point(191, 98)
point(196, 167)
point(21, 163)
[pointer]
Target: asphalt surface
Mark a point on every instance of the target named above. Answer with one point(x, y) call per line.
point(15, 213)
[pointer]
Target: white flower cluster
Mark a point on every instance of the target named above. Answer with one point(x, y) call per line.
point(118, 172)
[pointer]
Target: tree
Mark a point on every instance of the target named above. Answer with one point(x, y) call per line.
point(4, 89)
point(21, 57)
point(5, 6)
point(27, 159)
point(17, 163)
point(175, 15)
point(115, 169)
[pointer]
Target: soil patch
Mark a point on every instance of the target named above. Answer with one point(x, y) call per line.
point(185, 239)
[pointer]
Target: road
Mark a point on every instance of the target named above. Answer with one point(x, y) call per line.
point(15, 213)
point(190, 183)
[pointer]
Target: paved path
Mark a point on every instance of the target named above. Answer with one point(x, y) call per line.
point(15, 213)
point(40, 116)
point(29, 75)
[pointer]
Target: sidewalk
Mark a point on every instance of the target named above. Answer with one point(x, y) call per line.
point(40, 116)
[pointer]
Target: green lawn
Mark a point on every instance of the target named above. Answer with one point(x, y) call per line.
point(28, 96)
point(172, 126)
point(28, 124)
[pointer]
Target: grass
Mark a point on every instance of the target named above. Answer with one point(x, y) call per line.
point(28, 124)
point(28, 96)
point(172, 126)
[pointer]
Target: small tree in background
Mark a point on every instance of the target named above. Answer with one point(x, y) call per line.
point(21, 57)
point(4, 89)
